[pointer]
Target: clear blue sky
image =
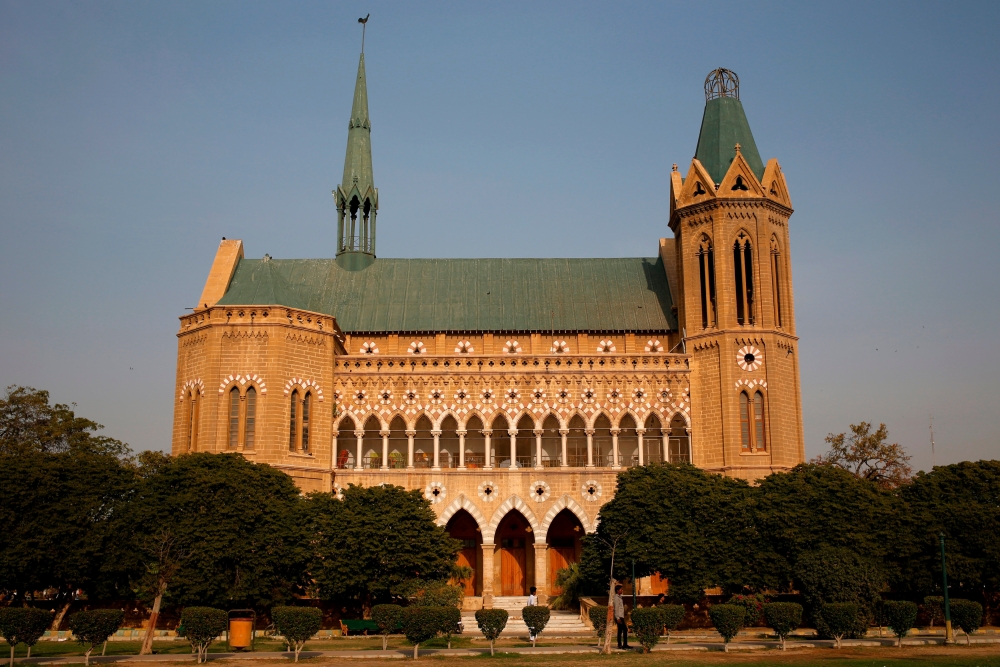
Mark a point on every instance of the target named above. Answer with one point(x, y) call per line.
point(133, 135)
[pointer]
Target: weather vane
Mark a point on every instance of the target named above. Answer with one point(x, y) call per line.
point(364, 26)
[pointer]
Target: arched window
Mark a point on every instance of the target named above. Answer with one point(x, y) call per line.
point(776, 280)
point(743, 274)
point(250, 421)
point(192, 430)
point(576, 442)
point(234, 418)
point(752, 431)
point(680, 442)
point(628, 442)
point(706, 272)
point(293, 420)
point(603, 448)
point(345, 452)
point(306, 404)
point(652, 441)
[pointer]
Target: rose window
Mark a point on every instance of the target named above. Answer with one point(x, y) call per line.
point(606, 346)
point(488, 491)
point(411, 397)
point(513, 395)
point(360, 396)
point(563, 395)
point(512, 347)
point(461, 396)
point(653, 345)
point(487, 395)
point(591, 490)
point(664, 395)
point(435, 492)
point(417, 347)
point(464, 347)
point(540, 491)
point(369, 347)
point(588, 395)
point(749, 358)
point(385, 396)
point(538, 395)
point(436, 396)
point(614, 396)
point(638, 395)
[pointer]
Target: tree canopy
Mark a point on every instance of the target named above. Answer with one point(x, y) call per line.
point(868, 455)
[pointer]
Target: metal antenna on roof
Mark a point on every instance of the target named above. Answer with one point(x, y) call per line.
point(364, 26)
point(932, 441)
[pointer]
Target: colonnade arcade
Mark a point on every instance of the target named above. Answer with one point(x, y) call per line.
point(504, 441)
point(513, 550)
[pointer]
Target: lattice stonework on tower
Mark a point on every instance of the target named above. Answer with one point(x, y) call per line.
point(510, 392)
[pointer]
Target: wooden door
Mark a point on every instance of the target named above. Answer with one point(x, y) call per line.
point(559, 559)
point(467, 558)
point(512, 560)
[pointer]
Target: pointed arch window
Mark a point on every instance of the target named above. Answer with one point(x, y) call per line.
point(250, 421)
point(752, 431)
point(743, 276)
point(293, 421)
point(776, 275)
point(234, 418)
point(306, 405)
point(706, 273)
point(192, 421)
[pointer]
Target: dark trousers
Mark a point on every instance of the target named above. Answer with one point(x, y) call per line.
point(622, 633)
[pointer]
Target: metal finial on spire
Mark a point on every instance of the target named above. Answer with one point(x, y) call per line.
point(364, 26)
point(722, 82)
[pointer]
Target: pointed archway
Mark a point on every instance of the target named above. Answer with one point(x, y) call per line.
point(463, 527)
point(564, 545)
point(514, 541)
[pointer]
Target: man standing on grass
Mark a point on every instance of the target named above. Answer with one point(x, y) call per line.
point(619, 605)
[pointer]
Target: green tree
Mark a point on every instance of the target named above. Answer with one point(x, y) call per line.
point(450, 619)
point(647, 623)
point(934, 608)
point(95, 627)
point(535, 617)
point(297, 625)
point(868, 455)
point(386, 617)
point(963, 502)
point(672, 614)
point(900, 615)
point(368, 546)
point(693, 527)
point(212, 529)
point(200, 626)
point(23, 625)
point(420, 624)
point(968, 616)
point(840, 575)
point(727, 619)
point(570, 581)
point(839, 618)
point(491, 623)
point(783, 617)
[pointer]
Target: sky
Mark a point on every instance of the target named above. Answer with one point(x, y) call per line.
point(133, 136)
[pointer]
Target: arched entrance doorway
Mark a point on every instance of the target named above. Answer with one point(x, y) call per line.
point(464, 528)
point(513, 535)
point(565, 546)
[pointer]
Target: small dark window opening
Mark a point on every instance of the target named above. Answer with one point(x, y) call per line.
point(748, 266)
point(739, 184)
point(698, 190)
point(738, 275)
point(706, 274)
point(776, 281)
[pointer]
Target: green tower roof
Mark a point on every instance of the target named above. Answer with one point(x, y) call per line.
point(358, 161)
point(722, 127)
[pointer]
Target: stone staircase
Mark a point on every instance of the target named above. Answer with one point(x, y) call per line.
point(561, 623)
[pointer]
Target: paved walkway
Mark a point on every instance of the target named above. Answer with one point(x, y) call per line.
point(525, 650)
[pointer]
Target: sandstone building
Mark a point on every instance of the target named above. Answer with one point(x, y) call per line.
point(510, 391)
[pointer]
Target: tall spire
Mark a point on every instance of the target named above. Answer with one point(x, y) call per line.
point(357, 196)
point(723, 126)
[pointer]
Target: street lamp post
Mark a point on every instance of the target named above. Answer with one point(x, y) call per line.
point(949, 635)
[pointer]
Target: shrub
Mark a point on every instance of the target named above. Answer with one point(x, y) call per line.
point(450, 620)
point(23, 625)
point(491, 622)
point(536, 618)
point(419, 625)
point(672, 615)
point(840, 619)
point(900, 615)
point(934, 608)
point(437, 594)
point(967, 615)
point(834, 574)
point(386, 617)
point(647, 623)
point(754, 605)
point(201, 625)
point(93, 627)
point(572, 583)
point(297, 625)
point(783, 617)
point(599, 617)
point(727, 619)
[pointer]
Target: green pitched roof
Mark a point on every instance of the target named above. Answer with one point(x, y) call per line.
point(358, 159)
point(722, 127)
point(596, 295)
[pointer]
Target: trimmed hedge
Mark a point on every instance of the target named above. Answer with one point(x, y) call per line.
point(599, 617)
point(783, 617)
point(419, 625)
point(200, 626)
point(967, 615)
point(647, 623)
point(536, 618)
point(672, 615)
point(95, 626)
point(727, 619)
point(754, 604)
point(900, 615)
point(23, 625)
point(491, 622)
point(297, 625)
point(387, 617)
point(840, 619)
point(934, 608)
point(450, 622)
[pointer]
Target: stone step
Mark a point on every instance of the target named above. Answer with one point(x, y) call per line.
point(560, 623)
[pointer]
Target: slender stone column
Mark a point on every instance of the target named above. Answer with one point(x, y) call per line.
point(333, 444)
point(590, 447)
point(642, 454)
point(487, 451)
point(690, 451)
point(437, 449)
point(666, 445)
point(358, 464)
point(542, 571)
point(461, 449)
point(564, 432)
point(488, 575)
point(385, 449)
point(615, 463)
point(513, 448)
point(538, 447)
point(409, 448)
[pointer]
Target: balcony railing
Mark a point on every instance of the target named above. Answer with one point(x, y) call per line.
point(397, 460)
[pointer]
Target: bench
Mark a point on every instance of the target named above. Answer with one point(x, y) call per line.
point(357, 627)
